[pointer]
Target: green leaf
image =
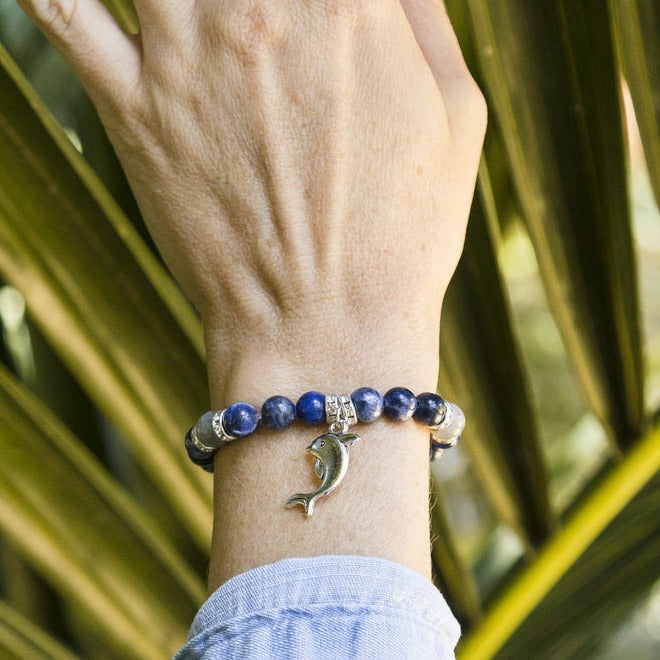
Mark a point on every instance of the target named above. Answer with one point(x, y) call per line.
point(22, 640)
point(607, 500)
point(495, 184)
point(453, 577)
point(594, 596)
point(553, 88)
point(26, 591)
point(482, 370)
point(124, 13)
point(100, 297)
point(86, 536)
point(99, 153)
point(636, 27)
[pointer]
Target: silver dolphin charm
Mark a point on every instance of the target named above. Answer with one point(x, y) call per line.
point(331, 451)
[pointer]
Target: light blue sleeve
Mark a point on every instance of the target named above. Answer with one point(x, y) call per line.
point(324, 608)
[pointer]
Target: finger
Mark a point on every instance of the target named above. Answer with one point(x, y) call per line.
point(163, 19)
point(438, 43)
point(106, 60)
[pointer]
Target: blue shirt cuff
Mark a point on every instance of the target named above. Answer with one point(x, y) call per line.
point(330, 607)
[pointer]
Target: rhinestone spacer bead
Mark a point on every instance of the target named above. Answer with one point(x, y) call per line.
point(219, 429)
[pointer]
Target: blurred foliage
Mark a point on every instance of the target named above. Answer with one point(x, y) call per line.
point(544, 520)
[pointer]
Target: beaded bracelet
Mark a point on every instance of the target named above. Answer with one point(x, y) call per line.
point(214, 429)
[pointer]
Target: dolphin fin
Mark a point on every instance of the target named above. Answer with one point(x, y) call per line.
point(349, 438)
point(304, 499)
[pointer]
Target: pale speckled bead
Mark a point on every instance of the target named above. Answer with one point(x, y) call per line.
point(448, 432)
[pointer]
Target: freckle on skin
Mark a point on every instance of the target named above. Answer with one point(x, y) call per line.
point(419, 169)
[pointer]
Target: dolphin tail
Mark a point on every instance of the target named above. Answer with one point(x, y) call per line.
point(304, 499)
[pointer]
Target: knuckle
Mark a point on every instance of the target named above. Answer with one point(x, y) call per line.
point(470, 105)
point(476, 105)
point(250, 28)
point(55, 16)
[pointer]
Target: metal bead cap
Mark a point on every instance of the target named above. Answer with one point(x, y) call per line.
point(339, 409)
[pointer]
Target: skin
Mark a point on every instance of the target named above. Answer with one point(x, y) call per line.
point(306, 170)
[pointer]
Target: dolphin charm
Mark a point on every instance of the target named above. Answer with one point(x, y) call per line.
point(331, 451)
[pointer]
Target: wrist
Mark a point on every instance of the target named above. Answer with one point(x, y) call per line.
point(385, 494)
point(335, 357)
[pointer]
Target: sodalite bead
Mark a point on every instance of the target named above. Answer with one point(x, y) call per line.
point(278, 413)
point(399, 404)
point(311, 408)
point(240, 419)
point(368, 404)
point(431, 409)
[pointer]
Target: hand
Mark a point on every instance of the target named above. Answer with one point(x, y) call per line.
point(305, 168)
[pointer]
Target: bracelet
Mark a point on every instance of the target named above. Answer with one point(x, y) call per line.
point(214, 429)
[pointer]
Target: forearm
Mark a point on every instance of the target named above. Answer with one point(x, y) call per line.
point(381, 507)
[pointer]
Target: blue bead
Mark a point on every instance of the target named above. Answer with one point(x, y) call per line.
point(368, 404)
point(311, 408)
point(278, 413)
point(399, 404)
point(240, 419)
point(430, 409)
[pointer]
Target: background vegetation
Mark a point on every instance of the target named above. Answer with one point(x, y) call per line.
point(545, 520)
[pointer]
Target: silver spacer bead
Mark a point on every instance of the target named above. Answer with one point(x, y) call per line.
point(198, 444)
point(448, 432)
point(340, 412)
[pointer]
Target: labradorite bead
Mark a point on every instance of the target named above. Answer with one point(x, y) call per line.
point(368, 404)
point(240, 419)
point(278, 413)
point(399, 404)
point(431, 409)
point(311, 408)
point(205, 433)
